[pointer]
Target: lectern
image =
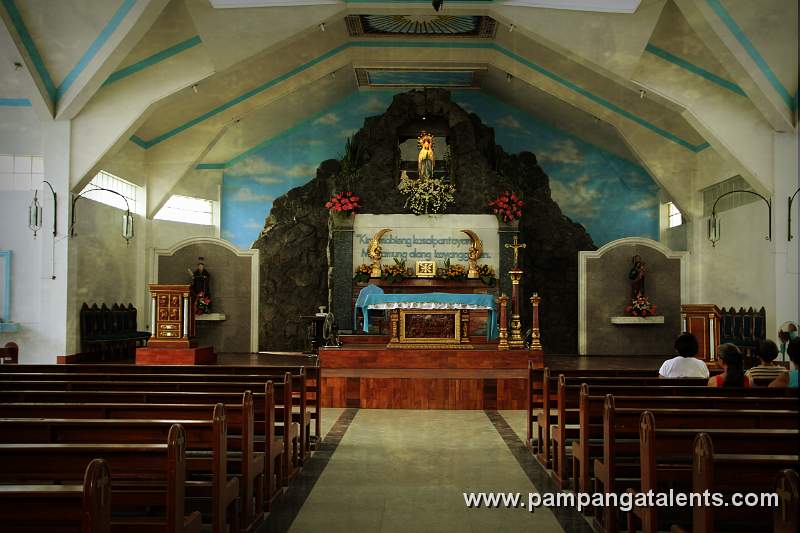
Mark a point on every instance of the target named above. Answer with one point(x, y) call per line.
point(702, 321)
point(172, 316)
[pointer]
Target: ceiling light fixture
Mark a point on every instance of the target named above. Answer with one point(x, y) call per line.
point(194, 88)
point(714, 225)
point(35, 211)
point(510, 28)
point(322, 27)
point(508, 77)
point(642, 93)
point(127, 216)
point(17, 65)
point(437, 4)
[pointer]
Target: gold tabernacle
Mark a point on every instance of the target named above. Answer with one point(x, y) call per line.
point(429, 328)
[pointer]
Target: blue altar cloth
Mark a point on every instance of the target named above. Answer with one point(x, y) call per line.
point(482, 301)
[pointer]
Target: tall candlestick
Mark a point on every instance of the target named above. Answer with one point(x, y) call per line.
point(503, 335)
point(536, 344)
point(516, 342)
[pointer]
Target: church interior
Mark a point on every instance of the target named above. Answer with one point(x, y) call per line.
point(399, 265)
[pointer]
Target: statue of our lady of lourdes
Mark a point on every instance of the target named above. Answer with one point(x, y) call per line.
point(426, 159)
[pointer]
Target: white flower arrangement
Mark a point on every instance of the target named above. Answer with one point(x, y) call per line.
point(426, 196)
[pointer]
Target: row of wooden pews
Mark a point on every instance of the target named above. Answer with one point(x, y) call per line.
point(617, 433)
point(176, 447)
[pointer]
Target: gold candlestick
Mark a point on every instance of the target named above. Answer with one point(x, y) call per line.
point(516, 342)
point(502, 343)
point(536, 344)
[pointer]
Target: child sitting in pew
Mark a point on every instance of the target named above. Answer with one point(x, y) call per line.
point(686, 364)
point(790, 378)
point(767, 352)
point(732, 362)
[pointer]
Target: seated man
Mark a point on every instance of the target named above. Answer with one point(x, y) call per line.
point(685, 365)
point(792, 377)
point(767, 352)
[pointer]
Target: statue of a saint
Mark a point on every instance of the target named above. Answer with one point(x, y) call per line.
point(200, 279)
point(427, 159)
point(637, 276)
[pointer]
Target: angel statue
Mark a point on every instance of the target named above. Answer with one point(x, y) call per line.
point(475, 253)
point(375, 253)
point(427, 159)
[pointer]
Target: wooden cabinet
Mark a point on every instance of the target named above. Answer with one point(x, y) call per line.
point(172, 316)
point(702, 321)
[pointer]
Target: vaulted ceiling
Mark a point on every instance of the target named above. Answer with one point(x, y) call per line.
point(170, 91)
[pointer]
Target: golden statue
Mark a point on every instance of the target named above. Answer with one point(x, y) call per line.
point(374, 252)
point(475, 253)
point(427, 159)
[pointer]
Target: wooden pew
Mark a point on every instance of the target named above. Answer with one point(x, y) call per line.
point(202, 437)
point(306, 400)
point(142, 476)
point(138, 383)
point(729, 473)
point(570, 430)
point(665, 454)
point(786, 517)
point(9, 354)
point(567, 403)
point(209, 372)
point(283, 396)
point(621, 434)
point(85, 508)
point(265, 457)
point(540, 389)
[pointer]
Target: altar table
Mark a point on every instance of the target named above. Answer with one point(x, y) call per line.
point(431, 300)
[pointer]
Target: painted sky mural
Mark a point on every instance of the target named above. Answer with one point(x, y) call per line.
point(610, 196)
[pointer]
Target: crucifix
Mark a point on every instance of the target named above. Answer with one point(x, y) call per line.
point(516, 246)
point(515, 342)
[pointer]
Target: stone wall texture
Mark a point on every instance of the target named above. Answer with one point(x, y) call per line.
point(294, 242)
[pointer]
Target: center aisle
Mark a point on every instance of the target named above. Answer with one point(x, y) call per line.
point(407, 470)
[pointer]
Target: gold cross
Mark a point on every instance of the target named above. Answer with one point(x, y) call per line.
point(516, 246)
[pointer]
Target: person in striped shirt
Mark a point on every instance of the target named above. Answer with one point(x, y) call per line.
point(767, 369)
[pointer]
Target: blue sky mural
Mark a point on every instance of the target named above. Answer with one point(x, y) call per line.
point(610, 196)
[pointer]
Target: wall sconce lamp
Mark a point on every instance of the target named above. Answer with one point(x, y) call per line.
point(127, 217)
point(35, 211)
point(791, 199)
point(713, 223)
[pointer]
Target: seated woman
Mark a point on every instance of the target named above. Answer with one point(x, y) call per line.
point(767, 352)
point(790, 378)
point(733, 363)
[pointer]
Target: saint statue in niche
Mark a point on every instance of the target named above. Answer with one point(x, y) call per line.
point(201, 291)
point(426, 160)
point(637, 276)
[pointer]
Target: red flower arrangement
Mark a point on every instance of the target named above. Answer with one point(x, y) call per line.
point(507, 206)
point(203, 303)
point(641, 306)
point(343, 202)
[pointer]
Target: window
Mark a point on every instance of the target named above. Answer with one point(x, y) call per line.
point(674, 216)
point(131, 192)
point(21, 172)
point(187, 209)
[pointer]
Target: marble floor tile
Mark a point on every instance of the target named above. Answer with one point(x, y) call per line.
point(407, 470)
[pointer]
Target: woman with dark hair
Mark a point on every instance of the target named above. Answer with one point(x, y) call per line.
point(792, 377)
point(733, 363)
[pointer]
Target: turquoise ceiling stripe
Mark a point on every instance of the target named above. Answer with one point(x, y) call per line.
point(210, 166)
point(153, 59)
point(95, 47)
point(421, 44)
point(737, 32)
point(135, 139)
point(30, 47)
point(15, 102)
point(694, 69)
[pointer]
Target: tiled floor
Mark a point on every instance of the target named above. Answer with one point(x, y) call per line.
point(405, 470)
